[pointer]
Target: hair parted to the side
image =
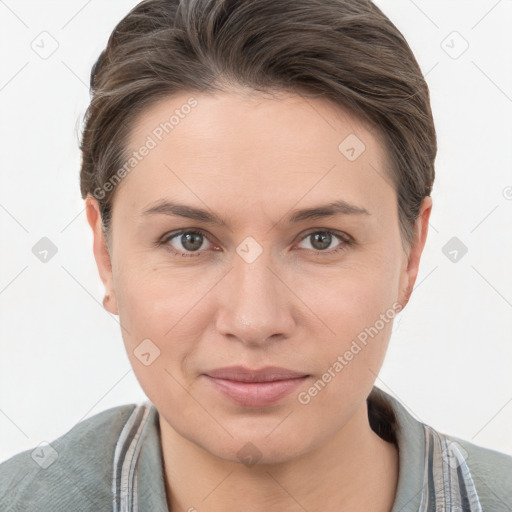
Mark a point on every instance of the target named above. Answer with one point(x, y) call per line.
point(347, 51)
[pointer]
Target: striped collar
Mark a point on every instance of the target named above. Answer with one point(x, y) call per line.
point(138, 475)
point(433, 473)
point(447, 481)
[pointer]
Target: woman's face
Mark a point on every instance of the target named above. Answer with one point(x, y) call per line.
point(256, 284)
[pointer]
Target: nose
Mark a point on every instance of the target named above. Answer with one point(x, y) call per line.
point(256, 306)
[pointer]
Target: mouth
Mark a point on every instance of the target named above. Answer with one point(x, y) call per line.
point(255, 388)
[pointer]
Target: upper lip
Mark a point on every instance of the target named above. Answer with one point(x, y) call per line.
point(243, 374)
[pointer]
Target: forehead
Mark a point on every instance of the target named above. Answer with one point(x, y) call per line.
point(287, 120)
point(273, 150)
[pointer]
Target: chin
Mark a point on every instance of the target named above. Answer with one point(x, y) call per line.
point(256, 452)
point(256, 447)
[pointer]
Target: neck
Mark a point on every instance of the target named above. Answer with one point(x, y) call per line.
point(355, 470)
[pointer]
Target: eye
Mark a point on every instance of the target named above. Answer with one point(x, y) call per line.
point(187, 243)
point(322, 240)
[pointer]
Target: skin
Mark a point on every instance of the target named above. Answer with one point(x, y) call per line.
point(252, 159)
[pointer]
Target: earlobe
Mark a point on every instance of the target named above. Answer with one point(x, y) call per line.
point(101, 253)
point(416, 249)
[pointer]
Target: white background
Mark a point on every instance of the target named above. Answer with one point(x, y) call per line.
point(62, 358)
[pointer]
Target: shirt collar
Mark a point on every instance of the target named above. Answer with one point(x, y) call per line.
point(138, 474)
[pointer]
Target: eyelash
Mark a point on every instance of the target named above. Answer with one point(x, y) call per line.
point(346, 240)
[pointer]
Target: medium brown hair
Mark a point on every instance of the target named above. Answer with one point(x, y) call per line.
point(346, 51)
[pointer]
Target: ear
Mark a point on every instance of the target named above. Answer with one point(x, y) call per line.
point(412, 260)
point(101, 253)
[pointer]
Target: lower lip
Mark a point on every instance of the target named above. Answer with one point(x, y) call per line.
point(256, 394)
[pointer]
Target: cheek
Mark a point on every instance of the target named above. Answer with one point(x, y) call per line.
point(163, 305)
point(152, 313)
point(357, 307)
point(354, 299)
point(149, 295)
point(360, 311)
point(145, 312)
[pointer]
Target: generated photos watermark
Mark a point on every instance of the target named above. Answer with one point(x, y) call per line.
point(357, 345)
point(152, 140)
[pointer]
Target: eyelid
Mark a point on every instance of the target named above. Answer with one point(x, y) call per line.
point(340, 234)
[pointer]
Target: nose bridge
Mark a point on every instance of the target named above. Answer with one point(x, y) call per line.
point(254, 305)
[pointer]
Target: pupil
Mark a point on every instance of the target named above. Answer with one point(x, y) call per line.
point(324, 238)
point(187, 237)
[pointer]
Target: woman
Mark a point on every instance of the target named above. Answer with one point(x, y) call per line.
point(257, 177)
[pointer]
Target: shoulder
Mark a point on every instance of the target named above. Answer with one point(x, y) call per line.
point(72, 472)
point(491, 472)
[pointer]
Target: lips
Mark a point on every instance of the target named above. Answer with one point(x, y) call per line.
point(255, 388)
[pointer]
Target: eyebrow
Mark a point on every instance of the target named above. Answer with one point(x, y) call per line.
point(174, 209)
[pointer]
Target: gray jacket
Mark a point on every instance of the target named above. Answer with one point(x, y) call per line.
point(113, 462)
